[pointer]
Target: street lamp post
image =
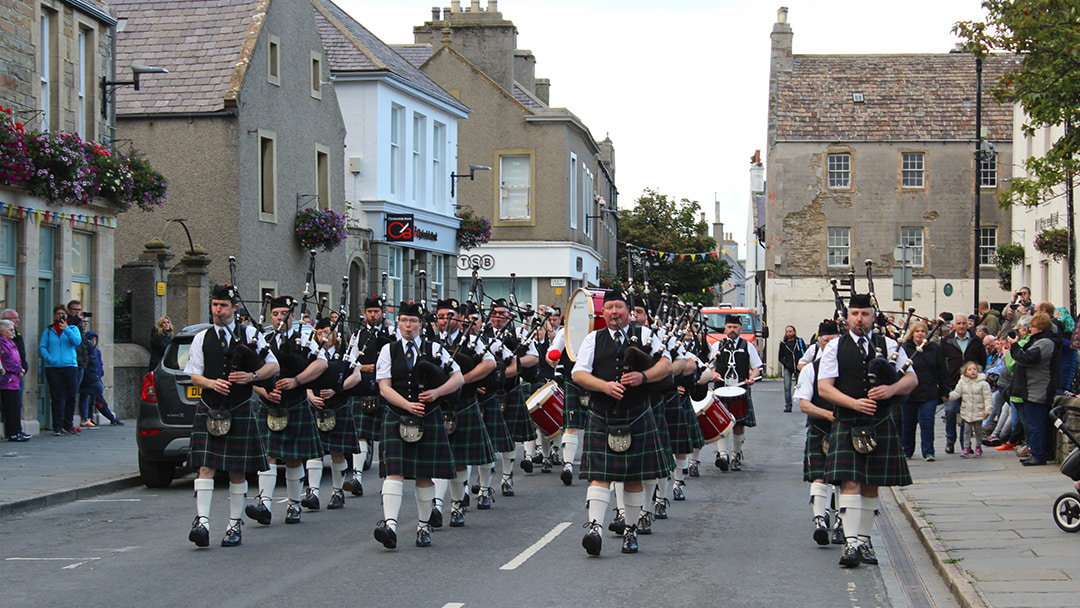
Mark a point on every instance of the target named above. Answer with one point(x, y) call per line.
point(978, 174)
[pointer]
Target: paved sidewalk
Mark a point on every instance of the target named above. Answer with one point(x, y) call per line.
point(50, 470)
point(987, 523)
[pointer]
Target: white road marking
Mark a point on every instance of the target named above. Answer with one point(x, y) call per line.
point(454, 605)
point(535, 547)
point(50, 559)
point(110, 500)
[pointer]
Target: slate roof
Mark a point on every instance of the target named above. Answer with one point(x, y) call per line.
point(907, 98)
point(204, 44)
point(350, 47)
point(526, 98)
point(415, 54)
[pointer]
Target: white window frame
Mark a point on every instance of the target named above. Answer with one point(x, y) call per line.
point(268, 216)
point(588, 200)
point(9, 233)
point(915, 238)
point(573, 203)
point(81, 112)
point(316, 74)
point(45, 67)
point(438, 275)
point(987, 246)
point(419, 165)
point(838, 174)
point(913, 170)
point(988, 169)
point(438, 152)
point(395, 259)
point(838, 244)
point(273, 60)
point(266, 288)
point(322, 176)
point(82, 278)
point(503, 191)
point(397, 154)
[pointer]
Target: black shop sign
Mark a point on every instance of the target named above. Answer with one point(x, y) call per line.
point(400, 228)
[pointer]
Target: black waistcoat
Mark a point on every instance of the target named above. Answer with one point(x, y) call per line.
point(742, 360)
point(608, 365)
point(293, 360)
point(853, 380)
point(403, 380)
point(819, 401)
point(214, 366)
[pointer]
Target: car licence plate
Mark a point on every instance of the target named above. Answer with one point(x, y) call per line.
point(194, 392)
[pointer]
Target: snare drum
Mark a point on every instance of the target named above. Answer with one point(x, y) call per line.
point(546, 409)
point(734, 399)
point(714, 419)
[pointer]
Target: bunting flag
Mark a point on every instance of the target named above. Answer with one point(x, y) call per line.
point(662, 255)
point(54, 218)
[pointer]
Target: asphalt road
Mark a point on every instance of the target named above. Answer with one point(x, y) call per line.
point(740, 539)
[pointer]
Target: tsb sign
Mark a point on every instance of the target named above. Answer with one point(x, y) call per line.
point(400, 228)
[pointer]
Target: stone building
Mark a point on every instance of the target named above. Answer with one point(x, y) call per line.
point(550, 194)
point(53, 55)
point(868, 152)
point(247, 128)
point(401, 147)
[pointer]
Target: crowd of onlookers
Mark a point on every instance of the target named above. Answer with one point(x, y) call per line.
point(72, 369)
point(991, 377)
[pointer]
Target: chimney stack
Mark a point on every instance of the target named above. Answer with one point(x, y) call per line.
point(474, 6)
point(543, 90)
point(455, 6)
point(435, 13)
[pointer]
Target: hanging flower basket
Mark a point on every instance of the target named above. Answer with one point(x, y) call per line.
point(62, 175)
point(474, 230)
point(320, 229)
point(149, 187)
point(1007, 256)
point(15, 166)
point(111, 173)
point(1053, 242)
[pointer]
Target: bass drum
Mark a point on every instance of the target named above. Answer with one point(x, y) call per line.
point(713, 418)
point(583, 316)
point(546, 409)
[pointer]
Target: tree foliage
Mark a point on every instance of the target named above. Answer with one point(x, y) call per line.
point(1045, 35)
point(660, 223)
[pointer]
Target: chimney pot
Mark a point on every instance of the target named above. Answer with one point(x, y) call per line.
point(781, 15)
point(474, 6)
point(455, 6)
point(493, 6)
point(435, 12)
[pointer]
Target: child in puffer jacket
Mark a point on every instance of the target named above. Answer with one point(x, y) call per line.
point(976, 404)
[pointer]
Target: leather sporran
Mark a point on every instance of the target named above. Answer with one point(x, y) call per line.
point(410, 428)
point(450, 418)
point(619, 437)
point(325, 419)
point(584, 397)
point(218, 422)
point(369, 404)
point(825, 445)
point(277, 418)
point(863, 439)
point(502, 402)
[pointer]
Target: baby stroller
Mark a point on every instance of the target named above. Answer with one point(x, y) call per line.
point(1067, 506)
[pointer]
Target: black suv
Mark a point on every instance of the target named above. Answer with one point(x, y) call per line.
point(163, 428)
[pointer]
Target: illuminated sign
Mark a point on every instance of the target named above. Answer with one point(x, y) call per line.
point(400, 228)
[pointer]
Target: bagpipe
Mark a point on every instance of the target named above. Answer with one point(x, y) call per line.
point(239, 356)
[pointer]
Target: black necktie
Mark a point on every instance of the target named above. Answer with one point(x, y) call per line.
point(410, 355)
point(620, 341)
point(862, 346)
point(224, 340)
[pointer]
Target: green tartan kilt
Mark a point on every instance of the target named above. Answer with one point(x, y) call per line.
point(368, 425)
point(574, 416)
point(300, 438)
point(342, 438)
point(885, 466)
point(495, 424)
point(518, 421)
point(645, 459)
point(679, 429)
point(656, 402)
point(697, 438)
point(429, 458)
point(814, 454)
point(749, 419)
point(239, 450)
point(469, 442)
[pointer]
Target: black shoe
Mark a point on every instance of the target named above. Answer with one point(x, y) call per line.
point(592, 540)
point(567, 475)
point(292, 514)
point(821, 531)
point(475, 488)
point(310, 501)
point(629, 543)
point(1032, 462)
point(508, 485)
point(787, 410)
point(555, 457)
point(692, 470)
point(368, 460)
point(465, 501)
point(538, 456)
point(851, 557)
point(385, 535)
point(199, 534)
point(644, 523)
point(527, 465)
point(337, 500)
point(736, 463)
point(259, 512)
point(617, 525)
point(353, 486)
point(660, 508)
point(949, 448)
point(545, 465)
point(838, 534)
point(484, 500)
point(677, 490)
point(435, 518)
point(457, 515)
point(18, 438)
point(423, 535)
point(722, 461)
point(992, 442)
point(866, 554)
point(232, 533)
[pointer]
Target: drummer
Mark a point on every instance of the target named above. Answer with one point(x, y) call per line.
point(574, 411)
point(620, 415)
point(545, 455)
point(736, 363)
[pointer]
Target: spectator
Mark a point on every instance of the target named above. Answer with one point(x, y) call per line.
point(792, 348)
point(1019, 308)
point(982, 332)
point(959, 348)
point(995, 363)
point(160, 338)
point(11, 373)
point(58, 347)
point(921, 403)
point(989, 317)
point(92, 391)
point(13, 316)
point(976, 403)
point(1066, 323)
point(1034, 380)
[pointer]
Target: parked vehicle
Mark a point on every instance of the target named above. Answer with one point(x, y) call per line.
point(715, 317)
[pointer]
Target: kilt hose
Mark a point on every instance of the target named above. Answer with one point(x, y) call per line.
point(644, 460)
point(342, 438)
point(299, 439)
point(885, 466)
point(240, 450)
point(516, 414)
point(469, 443)
point(574, 416)
point(495, 424)
point(428, 458)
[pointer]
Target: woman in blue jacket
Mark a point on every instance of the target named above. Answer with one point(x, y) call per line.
point(57, 348)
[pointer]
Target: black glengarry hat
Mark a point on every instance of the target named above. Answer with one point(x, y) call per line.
point(447, 304)
point(372, 302)
point(860, 300)
point(409, 309)
point(828, 328)
point(616, 295)
point(733, 319)
point(223, 292)
point(282, 302)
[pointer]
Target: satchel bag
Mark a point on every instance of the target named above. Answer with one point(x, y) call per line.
point(864, 439)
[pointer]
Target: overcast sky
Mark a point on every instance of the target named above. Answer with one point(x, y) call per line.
point(681, 86)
